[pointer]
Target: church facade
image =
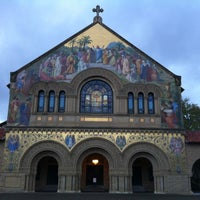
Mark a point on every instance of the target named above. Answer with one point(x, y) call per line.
point(95, 113)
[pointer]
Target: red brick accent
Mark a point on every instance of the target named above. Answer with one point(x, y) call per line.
point(192, 137)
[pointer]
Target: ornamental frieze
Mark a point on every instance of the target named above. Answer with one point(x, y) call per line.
point(18, 142)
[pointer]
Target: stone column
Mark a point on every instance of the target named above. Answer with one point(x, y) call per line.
point(135, 104)
point(159, 184)
point(61, 183)
point(120, 183)
point(26, 183)
point(29, 183)
point(56, 103)
point(145, 105)
point(72, 183)
point(113, 184)
point(46, 102)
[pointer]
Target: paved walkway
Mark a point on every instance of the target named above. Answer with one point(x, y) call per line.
point(93, 196)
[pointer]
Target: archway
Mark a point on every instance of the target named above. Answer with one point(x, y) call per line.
point(95, 176)
point(195, 179)
point(38, 151)
point(142, 175)
point(47, 175)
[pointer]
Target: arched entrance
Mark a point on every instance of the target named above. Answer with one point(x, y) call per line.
point(142, 179)
point(195, 179)
point(47, 175)
point(95, 176)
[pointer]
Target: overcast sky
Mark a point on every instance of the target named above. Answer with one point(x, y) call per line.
point(166, 30)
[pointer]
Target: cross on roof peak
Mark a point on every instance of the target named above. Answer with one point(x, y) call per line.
point(97, 18)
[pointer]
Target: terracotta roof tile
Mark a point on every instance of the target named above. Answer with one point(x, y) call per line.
point(192, 137)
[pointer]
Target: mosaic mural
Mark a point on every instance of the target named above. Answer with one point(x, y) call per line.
point(95, 47)
point(172, 144)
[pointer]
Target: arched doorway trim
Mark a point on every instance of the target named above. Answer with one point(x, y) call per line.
point(46, 175)
point(147, 156)
point(158, 158)
point(93, 145)
point(142, 174)
point(31, 158)
point(99, 146)
point(44, 146)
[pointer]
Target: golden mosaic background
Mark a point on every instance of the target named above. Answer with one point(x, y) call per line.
point(160, 140)
point(99, 36)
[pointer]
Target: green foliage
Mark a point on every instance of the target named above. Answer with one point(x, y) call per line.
point(191, 115)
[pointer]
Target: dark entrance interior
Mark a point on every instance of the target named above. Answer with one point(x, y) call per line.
point(142, 179)
point(95, 174)
point(137, 175)
point(195, 179)
point(47, 175)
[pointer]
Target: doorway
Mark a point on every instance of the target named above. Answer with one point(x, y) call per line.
point(95, 174)
point(195, 179)
point(47, 175)
point(142, 176)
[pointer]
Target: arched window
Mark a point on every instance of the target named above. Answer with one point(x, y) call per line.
point(61, 103)
point(96, 97)
point(40, 107)
point(151, 103)
point(130, 103)
point(51, 103)
point(140, 103)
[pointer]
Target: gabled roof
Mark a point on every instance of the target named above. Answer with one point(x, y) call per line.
point(95, 46)
point(140, 52)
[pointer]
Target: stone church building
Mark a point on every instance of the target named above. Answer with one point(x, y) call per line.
point(95, 113)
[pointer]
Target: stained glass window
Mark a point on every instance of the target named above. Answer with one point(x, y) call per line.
point(40, 101)
point(151, 103)
point(96, 97)
point(130, 103)
point(61, 105)
point(51, 104)
point(140, 103)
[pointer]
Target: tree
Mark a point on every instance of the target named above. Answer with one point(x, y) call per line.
point(72, 42)
point(86, 41)
point(191, 115)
